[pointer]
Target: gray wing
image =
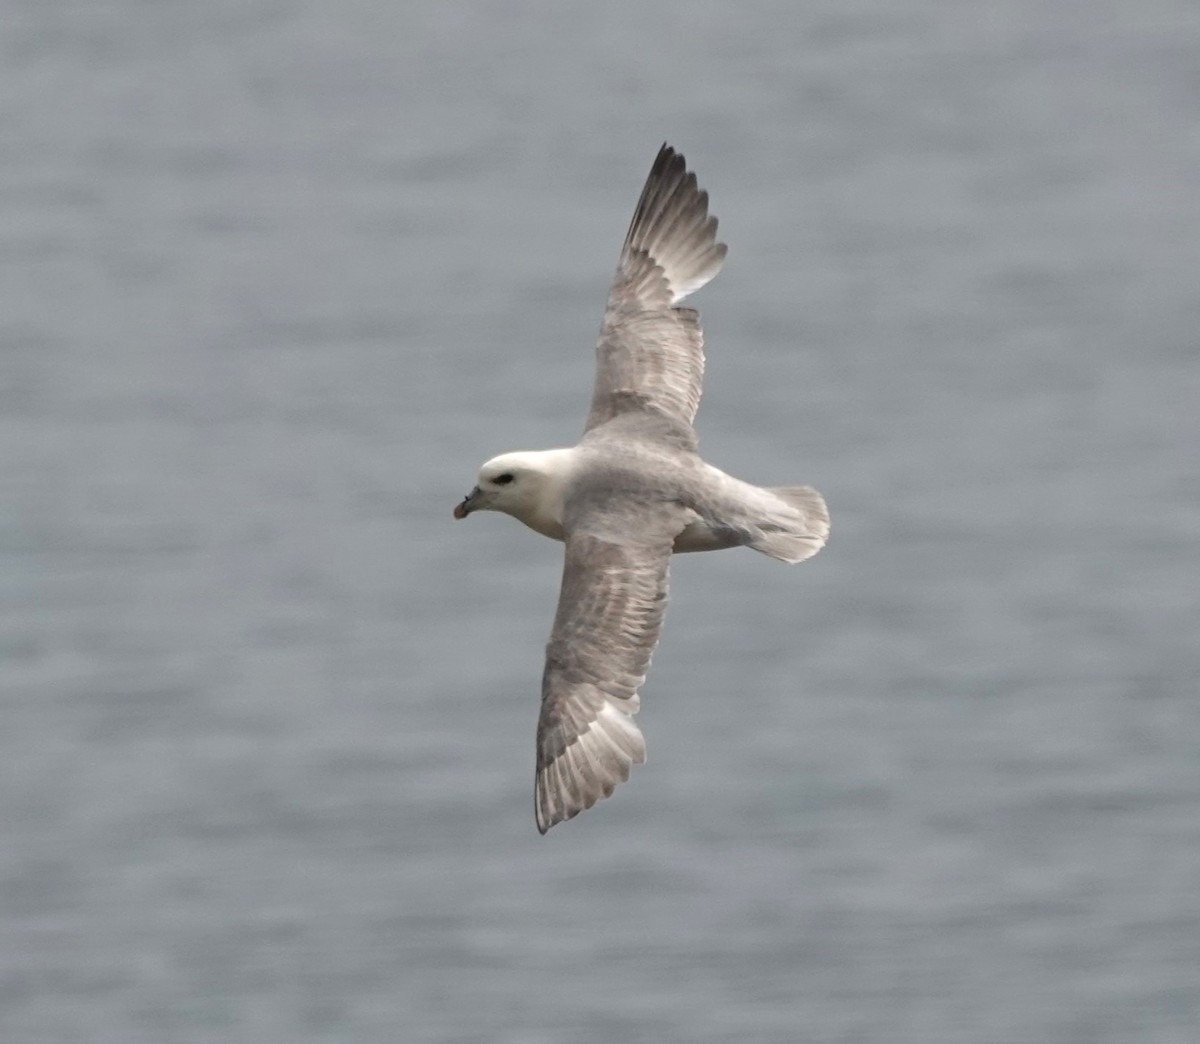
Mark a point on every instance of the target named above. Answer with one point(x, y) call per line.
point(610, 611)
point(651, 354)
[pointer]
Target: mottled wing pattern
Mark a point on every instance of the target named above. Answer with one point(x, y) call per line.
point(651, 353)
point(610, 611)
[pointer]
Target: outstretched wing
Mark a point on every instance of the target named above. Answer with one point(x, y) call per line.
point(651, 353)
point(610, 611)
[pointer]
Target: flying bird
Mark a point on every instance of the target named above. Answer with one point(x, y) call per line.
point(633, 490)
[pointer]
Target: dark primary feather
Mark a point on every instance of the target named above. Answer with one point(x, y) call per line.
point(650, 353)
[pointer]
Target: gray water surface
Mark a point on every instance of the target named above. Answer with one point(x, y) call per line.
point(275, 277)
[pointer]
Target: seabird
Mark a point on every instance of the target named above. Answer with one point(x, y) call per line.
point(633, 490)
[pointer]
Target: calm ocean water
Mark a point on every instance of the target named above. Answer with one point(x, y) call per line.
point(275, 277)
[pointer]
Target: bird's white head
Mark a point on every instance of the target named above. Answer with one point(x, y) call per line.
point(528, 485)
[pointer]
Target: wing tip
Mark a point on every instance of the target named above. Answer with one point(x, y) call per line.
point(671, 225)
point(588, 770)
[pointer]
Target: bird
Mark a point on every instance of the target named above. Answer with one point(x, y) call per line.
point(632, 491)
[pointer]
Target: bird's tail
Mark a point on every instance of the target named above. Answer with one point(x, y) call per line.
point(798, 530)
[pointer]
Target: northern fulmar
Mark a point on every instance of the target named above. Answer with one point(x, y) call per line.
point(633, 490)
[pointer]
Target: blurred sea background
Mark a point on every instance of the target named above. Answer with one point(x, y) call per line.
point(276, 276)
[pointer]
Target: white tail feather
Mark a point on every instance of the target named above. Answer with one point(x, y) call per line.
point(799, 530)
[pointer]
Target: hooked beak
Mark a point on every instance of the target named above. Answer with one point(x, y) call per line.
point(469, 503)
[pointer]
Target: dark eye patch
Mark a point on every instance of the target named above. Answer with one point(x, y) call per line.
point(505, 479)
